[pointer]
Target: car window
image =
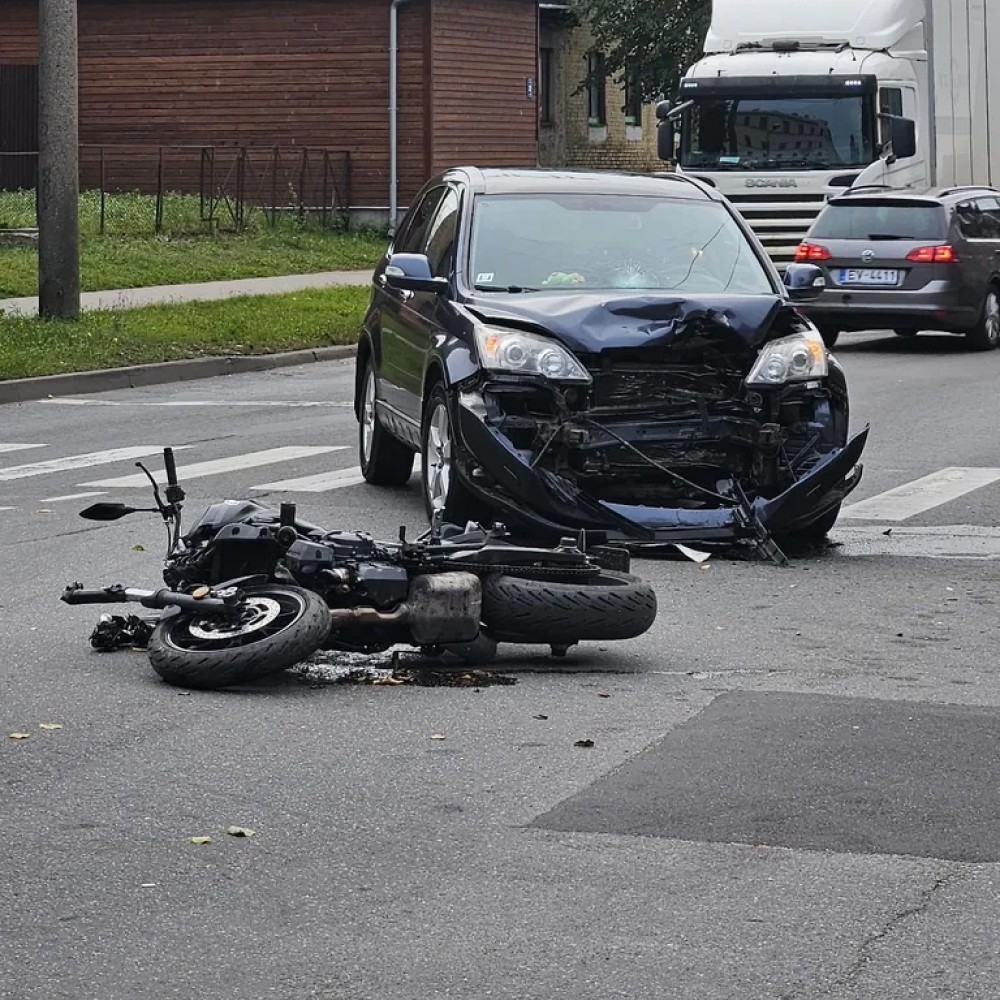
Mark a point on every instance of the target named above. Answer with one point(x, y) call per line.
point(442, 232)
point(971, 222)
point(989, 209)
point(413, 231)
point(874, 219)
point(601, 241)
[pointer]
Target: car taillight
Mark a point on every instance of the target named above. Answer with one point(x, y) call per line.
point(811, 251)
point(933, 255)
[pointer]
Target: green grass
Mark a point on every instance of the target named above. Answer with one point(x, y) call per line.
point(255, 325)
point(131, 255)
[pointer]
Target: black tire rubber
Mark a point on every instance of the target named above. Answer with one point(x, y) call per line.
point(461, 506)
point(981, 337)
point(390, 462)
point(830, 335)
point(615, 606)
point(211, 669)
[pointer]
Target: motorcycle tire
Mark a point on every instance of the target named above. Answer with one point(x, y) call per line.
point(610, 606)
point(278, 627)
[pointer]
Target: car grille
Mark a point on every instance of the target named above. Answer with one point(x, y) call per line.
point(636, 386)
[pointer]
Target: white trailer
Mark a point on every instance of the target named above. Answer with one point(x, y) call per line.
point(795, 101)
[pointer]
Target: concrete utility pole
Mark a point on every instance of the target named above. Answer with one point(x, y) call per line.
point(58, 161)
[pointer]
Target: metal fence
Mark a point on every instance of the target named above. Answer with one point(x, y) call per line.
point(136, 190)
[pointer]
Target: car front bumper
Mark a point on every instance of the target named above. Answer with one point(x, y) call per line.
point(546, 503)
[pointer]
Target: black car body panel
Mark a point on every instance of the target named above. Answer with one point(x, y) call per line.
point(665, 441)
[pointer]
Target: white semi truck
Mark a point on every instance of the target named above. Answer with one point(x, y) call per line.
point(797, 100)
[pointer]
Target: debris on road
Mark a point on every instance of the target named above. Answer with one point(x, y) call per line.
point(542, 717)
point(331, 667)
point(200, 840)
point(51, 726)
point(438, 736)
point(241, 831)
point(20, 736)
point(586, 744)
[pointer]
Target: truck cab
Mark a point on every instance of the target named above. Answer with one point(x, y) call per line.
point(797, 102)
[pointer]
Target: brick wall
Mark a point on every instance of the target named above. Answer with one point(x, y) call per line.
point(569, 140)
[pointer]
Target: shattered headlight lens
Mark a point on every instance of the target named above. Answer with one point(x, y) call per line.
point(517, 352)
point(791, 359)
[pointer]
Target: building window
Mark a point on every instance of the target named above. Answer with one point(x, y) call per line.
point(633, 98)
point(597, 75)
point(546, 111)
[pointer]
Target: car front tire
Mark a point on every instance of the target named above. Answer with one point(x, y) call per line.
point(441, 484)
point(384, 461)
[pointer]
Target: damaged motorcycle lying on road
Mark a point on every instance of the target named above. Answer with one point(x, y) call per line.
point(251, 591)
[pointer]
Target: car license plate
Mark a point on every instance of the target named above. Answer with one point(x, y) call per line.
point(868, 276)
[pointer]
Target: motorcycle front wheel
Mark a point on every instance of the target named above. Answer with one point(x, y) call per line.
point(277, 627)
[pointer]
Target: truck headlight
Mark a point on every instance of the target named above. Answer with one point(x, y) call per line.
point(797, 358)
point(516, 352)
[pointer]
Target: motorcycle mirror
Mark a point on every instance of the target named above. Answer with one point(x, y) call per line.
point(107, 511)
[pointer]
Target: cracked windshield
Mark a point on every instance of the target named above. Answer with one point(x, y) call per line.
point(530, 243)
point(762, 133)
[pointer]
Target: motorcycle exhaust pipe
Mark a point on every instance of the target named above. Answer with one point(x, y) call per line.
point(341, 617)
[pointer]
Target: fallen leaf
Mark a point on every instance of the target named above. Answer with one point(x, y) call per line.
point(438, 736)
point(138, 548)
point(543, 717)
point(586, 744)
point(603, 694)
point(49, 725)
point(387, 681)
point(241, 831)
point(200, 840)
point(20, 736)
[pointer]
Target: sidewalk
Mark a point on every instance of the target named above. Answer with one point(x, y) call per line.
point(132, 298)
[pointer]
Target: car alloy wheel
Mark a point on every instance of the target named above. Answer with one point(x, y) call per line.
point(991, 320)
point(368, 417)
point(437, 467)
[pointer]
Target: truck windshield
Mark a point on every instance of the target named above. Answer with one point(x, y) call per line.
point(761, 133)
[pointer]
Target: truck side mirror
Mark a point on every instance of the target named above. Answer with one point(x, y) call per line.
point(902, 137)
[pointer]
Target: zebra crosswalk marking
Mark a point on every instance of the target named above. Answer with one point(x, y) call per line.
point(218, 466)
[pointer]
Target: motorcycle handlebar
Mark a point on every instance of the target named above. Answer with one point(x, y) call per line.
point(170, 466)
point(157, 599)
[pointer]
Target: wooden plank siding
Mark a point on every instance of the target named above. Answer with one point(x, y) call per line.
point(297, 73)
point(484, 52)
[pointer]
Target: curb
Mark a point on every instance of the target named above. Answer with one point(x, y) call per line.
point(24, 390)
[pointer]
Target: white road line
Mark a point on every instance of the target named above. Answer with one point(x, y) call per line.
point(20, 447)
point(75, 496)
point(196, 403)
point(8, 508)
point(921, 495)
point(70, 462)
point(218, 466)
point(337, 480)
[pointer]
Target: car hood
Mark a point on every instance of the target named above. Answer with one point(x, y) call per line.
point(591, 322)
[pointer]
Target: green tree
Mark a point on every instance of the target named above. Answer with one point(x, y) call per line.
point(654, 41)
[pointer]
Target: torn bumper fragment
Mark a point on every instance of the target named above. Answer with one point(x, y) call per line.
point(728, 452)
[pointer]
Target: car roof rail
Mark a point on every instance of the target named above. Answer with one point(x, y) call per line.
point(871, 187)
point(962, 188)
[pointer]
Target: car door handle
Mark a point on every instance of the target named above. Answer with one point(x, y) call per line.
point(403, 293)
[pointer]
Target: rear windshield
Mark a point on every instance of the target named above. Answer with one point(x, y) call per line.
point(880, 220)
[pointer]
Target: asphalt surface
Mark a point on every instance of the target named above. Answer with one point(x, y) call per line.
point(389, 865)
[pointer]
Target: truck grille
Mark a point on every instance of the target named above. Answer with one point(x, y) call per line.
point(780, 221)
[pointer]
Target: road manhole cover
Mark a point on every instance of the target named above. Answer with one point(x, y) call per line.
point(815, 772)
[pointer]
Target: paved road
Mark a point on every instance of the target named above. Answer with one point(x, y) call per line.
point(791, 794)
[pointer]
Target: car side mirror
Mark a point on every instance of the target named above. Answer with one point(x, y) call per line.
point(804, 282)
point(902, 137)
point(411, 272)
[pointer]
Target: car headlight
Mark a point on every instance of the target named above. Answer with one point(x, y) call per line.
point(791, 359)
point(520, 353)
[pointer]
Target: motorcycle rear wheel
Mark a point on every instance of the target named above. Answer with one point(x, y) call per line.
point(610, 606)
point(278, 626)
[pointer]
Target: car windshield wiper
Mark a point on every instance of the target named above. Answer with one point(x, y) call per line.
point(510, 289)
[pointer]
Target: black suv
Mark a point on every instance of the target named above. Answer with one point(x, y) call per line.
point(909, 261)
point(599, 351)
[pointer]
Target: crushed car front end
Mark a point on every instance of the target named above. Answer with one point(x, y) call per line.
point(656, 418)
